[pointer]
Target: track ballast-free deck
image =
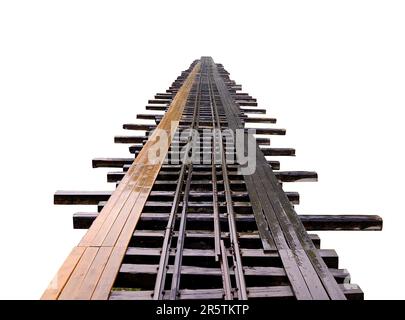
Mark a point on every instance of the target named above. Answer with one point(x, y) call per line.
point(198, 222)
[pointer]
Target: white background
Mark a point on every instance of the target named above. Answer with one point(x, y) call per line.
point(72, 72)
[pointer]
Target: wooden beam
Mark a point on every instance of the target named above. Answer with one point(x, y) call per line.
point(130, 139)
point(342, 222)
point(134, 126)
point(160, 101)
point(111, 162)
point(81, 197)
point(283, 176)
point(82, 220)
point(259, 120)
point(122, 162)
point(148, 116)
point(90, 197)
point(156, 108)
point(272, 131)
point(351, 291)
point(246, 103)
point(278, 151)
point(163, 95)
point(253, 111)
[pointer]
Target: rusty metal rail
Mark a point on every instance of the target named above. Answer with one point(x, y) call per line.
point(189, 222)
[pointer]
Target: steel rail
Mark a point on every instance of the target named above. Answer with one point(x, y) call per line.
point(188, 159)
point(158, 292)
point(220, 250)
point(226, 278)
point(239, 275)
point(217, 228)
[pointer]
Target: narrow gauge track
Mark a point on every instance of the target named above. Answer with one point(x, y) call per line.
point(201, 228)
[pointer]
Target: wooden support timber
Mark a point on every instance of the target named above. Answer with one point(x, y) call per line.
point(188, 220)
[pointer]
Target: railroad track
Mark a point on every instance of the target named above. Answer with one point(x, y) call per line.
point(195, 221)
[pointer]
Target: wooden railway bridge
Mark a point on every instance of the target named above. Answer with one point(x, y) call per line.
point(201, 229)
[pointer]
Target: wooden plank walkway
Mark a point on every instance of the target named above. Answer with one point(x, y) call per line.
point(91, 268)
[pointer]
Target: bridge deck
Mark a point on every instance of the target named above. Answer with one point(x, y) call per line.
point(209, 230)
